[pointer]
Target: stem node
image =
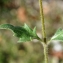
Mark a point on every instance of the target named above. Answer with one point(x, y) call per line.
point(43, 33)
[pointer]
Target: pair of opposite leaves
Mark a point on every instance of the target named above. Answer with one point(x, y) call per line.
point(25, 33)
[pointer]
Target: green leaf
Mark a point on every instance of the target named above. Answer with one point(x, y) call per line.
point(7, 26)
point(34, 31)
point(58, 35)
point(24, 33)
point(26, 27)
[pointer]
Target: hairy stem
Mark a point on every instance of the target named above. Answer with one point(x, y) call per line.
point(46, 53)
point(43, 33)
point(42, 20)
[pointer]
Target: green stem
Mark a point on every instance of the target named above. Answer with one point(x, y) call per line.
point(45, 53)
point(42, 20)
point(43, 33)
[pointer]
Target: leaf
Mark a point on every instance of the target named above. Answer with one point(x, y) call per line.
point(6, 26)
point(58, 35)
point(24, 33)
point(27, 28)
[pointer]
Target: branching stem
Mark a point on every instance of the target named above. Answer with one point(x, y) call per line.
point(43, 33)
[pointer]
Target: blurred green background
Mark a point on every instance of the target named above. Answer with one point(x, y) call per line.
point(18, 12)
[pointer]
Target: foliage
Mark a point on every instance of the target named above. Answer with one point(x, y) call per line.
point(24, 33)
point(58, 35)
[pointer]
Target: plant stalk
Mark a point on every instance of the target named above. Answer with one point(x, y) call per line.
point(43, 33)
point(45, 54)
point(42, 20)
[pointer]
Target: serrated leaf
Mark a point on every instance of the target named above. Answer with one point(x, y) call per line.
point(58, 35)
point(24, 33)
